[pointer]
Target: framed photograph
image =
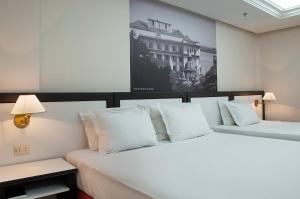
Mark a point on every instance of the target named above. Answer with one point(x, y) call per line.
point(171, 49)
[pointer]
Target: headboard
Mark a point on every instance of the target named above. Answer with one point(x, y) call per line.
point(59, 130)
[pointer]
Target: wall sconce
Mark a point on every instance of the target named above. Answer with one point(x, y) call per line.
point(24, 107)
point(269, 96)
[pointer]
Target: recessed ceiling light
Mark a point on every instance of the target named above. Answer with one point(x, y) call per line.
point(277, 8)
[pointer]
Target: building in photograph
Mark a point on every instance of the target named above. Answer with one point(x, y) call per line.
point(169, 47)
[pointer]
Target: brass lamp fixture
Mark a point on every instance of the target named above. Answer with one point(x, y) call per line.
point(24, 107)
point(268, 97)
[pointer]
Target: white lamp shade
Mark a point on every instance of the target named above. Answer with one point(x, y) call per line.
point(269, 96)
point(27, 104)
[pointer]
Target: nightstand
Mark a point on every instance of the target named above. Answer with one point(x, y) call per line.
point(38, 179)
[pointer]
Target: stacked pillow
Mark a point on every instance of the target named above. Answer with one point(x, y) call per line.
point(184, 122)
point(239, 113)
point(225, 114)
point(89, 129)
point(118, 129)
point(157, 121)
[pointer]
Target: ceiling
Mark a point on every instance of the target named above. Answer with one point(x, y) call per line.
point(231, 12)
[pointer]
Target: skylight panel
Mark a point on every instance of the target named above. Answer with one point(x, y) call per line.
point(286, 4)
point(280, 9)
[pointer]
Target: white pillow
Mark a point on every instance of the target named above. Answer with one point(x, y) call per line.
point(87, 118)
point(225, 114)
point(123, 129)
point(184, 121)
point(157, 121)
point(242, 113)
point(92, 137)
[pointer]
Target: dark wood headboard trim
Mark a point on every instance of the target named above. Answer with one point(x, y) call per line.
point(113, 99)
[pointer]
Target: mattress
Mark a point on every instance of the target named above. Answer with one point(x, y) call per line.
point(268, 129)
point(215, 166)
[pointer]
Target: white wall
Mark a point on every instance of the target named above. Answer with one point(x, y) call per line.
point(280, 60)
point(238, 59)
point(79, 45)
point(84, 45)
point(19, 41)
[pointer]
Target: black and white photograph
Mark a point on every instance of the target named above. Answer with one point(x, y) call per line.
point(171, 49)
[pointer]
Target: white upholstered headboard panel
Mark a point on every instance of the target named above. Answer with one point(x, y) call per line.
point(126, 103)
point(211, 109)
point(50, 134)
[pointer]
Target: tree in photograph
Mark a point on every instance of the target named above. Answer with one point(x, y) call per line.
point(146, 75)
point(210, 79)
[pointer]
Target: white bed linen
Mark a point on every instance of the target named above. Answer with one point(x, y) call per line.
point(215, 166)
point(268, 129)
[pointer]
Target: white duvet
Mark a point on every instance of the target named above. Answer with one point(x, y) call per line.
point(270, 129)
point(215, 166)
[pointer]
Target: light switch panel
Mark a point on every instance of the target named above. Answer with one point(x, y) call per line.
point(22, 149)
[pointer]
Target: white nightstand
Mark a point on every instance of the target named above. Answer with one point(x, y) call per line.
point(38, 179)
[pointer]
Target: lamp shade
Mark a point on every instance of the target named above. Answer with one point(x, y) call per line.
point(269, 96)
point(27, 104)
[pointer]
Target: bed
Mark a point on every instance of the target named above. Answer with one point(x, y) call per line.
point(214, 166)
point(268, 129)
